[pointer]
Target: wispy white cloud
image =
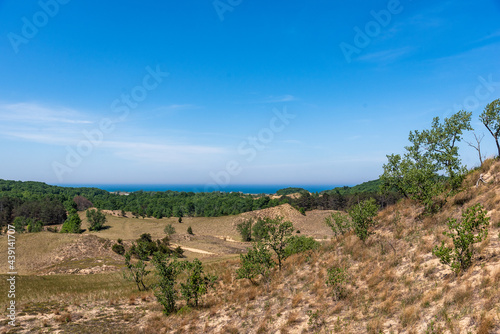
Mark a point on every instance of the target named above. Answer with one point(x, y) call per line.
point(39, 137)
point(177, 107)
point(492, 36)
point(170, 153)
point(35, 113)
point(163, 148)
point(387, 56)
point(282, 98)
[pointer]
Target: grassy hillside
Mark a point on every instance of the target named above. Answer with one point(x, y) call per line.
point(394, 284)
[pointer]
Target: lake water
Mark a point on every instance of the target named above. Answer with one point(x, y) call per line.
point(247, 189)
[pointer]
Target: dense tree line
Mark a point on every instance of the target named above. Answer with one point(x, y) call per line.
point(50, 204)
point(335, 200)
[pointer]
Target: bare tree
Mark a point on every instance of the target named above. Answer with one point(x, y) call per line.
point(477, 147)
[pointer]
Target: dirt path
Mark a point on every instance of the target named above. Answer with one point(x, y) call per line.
point(194, 250)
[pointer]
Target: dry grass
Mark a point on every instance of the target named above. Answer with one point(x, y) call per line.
point(65, 288)
point(399, 287)
point(297, 299)
point(486, 325)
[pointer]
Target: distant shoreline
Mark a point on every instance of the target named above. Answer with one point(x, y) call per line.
point(245, 189)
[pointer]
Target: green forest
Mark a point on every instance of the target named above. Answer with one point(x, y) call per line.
point(49, 205)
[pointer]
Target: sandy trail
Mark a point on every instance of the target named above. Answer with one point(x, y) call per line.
point(195, 250)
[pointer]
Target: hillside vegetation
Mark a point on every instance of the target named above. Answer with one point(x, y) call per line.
point(392, 283)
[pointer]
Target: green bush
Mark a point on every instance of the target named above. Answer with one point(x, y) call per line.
point(73, 224)
point(362, 216)
point(136, 272)
point(96, 219)
point(197, 282)
point(145, 247)
point(338, 279)
point(165, 291)
point(118, 249)
point(190, 230)
point(245, 229)
point(257, 261)
point(473, 228)
point(277, 236)
point(259, 229)
point(20, 224)
point(169, 230)
point(178, 252)
point(35, 226)
point(339, 223)
point(299, 244)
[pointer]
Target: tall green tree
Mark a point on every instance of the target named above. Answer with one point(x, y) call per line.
point(432, 152)
point(277, 237)
point(441, 143)
point(491, 120)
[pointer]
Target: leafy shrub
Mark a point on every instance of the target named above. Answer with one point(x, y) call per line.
point(190, 230)
point(299, 244)
point(145, 247)
point(35, 227)
point(259, 230)
point(169, 230)
point(136, 272)
point(473, 228)
point(362, 216)
point(73, 224)
point(167, 271)
point(197, 282)
point(257, 261)
point(166, 290)
point(20, 224)
point(178, 251)
point(277, 236)
point(118, 249)
point(96, 219)
point(339, 223)
point(338, 279)
point(245, 229)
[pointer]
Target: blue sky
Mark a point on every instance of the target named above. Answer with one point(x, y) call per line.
point(239, 92)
